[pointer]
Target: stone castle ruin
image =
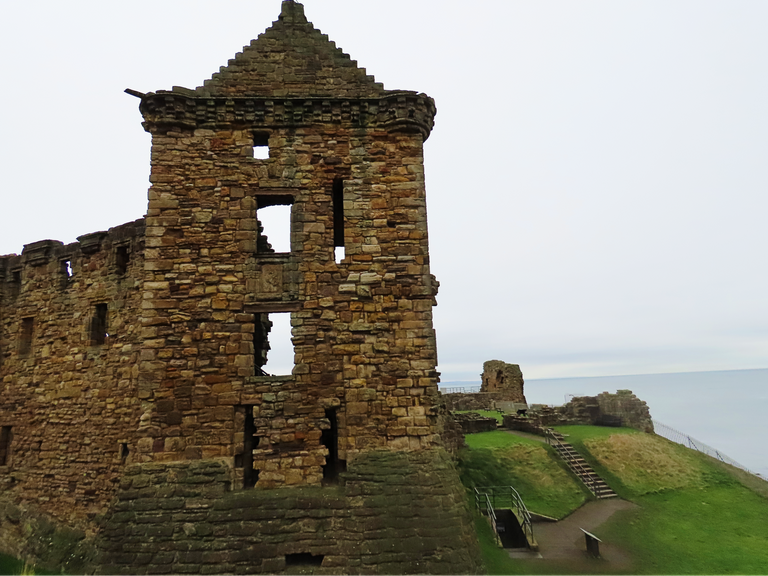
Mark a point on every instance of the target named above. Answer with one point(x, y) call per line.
point(138, 425)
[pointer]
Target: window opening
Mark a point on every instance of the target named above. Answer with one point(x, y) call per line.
point(66, 272)
point(250, 476)
point(304, 559)
point(330, 439)
point(337, 199)
point(272, 344)
point(122, 258)
point(15, 287)
point(124, 452)
point(261, 145)
point(5, 445)
point(274, 228)
point(99, 325)
point(25, 339)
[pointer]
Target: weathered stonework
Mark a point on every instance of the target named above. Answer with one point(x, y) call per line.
point(504, 379)
point(139, 350)
point(620, 409)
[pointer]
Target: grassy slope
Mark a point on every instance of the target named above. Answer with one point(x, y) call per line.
point(696, 515)
point(500, 459)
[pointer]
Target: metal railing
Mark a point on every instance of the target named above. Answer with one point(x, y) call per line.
point(465, 390)
point(681, 438)
point(491, 497)
point(484, 506)
point(577, 467)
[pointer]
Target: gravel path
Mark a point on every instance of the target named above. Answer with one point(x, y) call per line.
point(563, 542)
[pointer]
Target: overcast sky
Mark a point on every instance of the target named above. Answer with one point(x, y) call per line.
point(596, 179)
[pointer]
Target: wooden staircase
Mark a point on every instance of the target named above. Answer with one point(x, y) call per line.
point(579, 466)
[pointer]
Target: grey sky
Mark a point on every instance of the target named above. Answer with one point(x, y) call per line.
point(596, 179)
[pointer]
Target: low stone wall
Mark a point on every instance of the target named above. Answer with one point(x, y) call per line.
point(472, 423)
point(394, 513)
point(477, 401)
point(620, 409)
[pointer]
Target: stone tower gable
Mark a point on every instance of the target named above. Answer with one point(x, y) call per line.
point(291, 58)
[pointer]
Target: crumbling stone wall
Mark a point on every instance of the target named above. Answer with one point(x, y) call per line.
point(505, 379)
point(152, 351)
point(620, 409)
point(362, 328)
point(470, 401)
point(68, 386)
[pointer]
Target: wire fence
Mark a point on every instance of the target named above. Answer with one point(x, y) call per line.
point(681, 438)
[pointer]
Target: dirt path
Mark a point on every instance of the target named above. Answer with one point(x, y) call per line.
point(563, 541)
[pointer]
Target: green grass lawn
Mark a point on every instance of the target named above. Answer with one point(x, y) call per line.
point(695, 515)
point(499, 458)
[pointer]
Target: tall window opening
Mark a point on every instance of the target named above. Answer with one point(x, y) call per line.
point(122, 258)
point(15, 284)
point(330, 439)
point(250, 476)
point(261, 145)
point(272, 344)
point(66, 272)
point(99, 325)
point(337, 200)
point(25, 338)
point(275, 228)
point(5, 445)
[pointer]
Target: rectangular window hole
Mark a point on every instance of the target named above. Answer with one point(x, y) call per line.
point(261, 145)
point(273, 346)
point(25, 338)
point(274, 228)
point(122, 259)
point(15, 287)
point(304, 559)
point(99, 325)
point(66, 269)
point(5, 445)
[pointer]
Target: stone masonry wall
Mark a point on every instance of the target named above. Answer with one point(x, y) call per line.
point(362, 328)
point(504, 379)
point(68, 388)
point(395, 513)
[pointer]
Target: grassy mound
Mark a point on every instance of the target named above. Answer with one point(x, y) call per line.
point(646, 463)
point(501, 459)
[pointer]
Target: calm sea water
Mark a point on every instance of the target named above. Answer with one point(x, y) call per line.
point(727, 410)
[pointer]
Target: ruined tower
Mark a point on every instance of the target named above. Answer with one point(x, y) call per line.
point(133, 361)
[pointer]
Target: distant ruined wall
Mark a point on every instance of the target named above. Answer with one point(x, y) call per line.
point(504, 379)
point(620, 409)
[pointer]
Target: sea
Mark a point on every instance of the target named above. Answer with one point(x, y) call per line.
point(728, 410)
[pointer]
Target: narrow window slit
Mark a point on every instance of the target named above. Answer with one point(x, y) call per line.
point(15, 287)
point(5, 445)
point(99, 333)
point(337, 200)
point(250, 476)
point(330, 439)
point(124, 452)
point(25, 338)
point(122, 259)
